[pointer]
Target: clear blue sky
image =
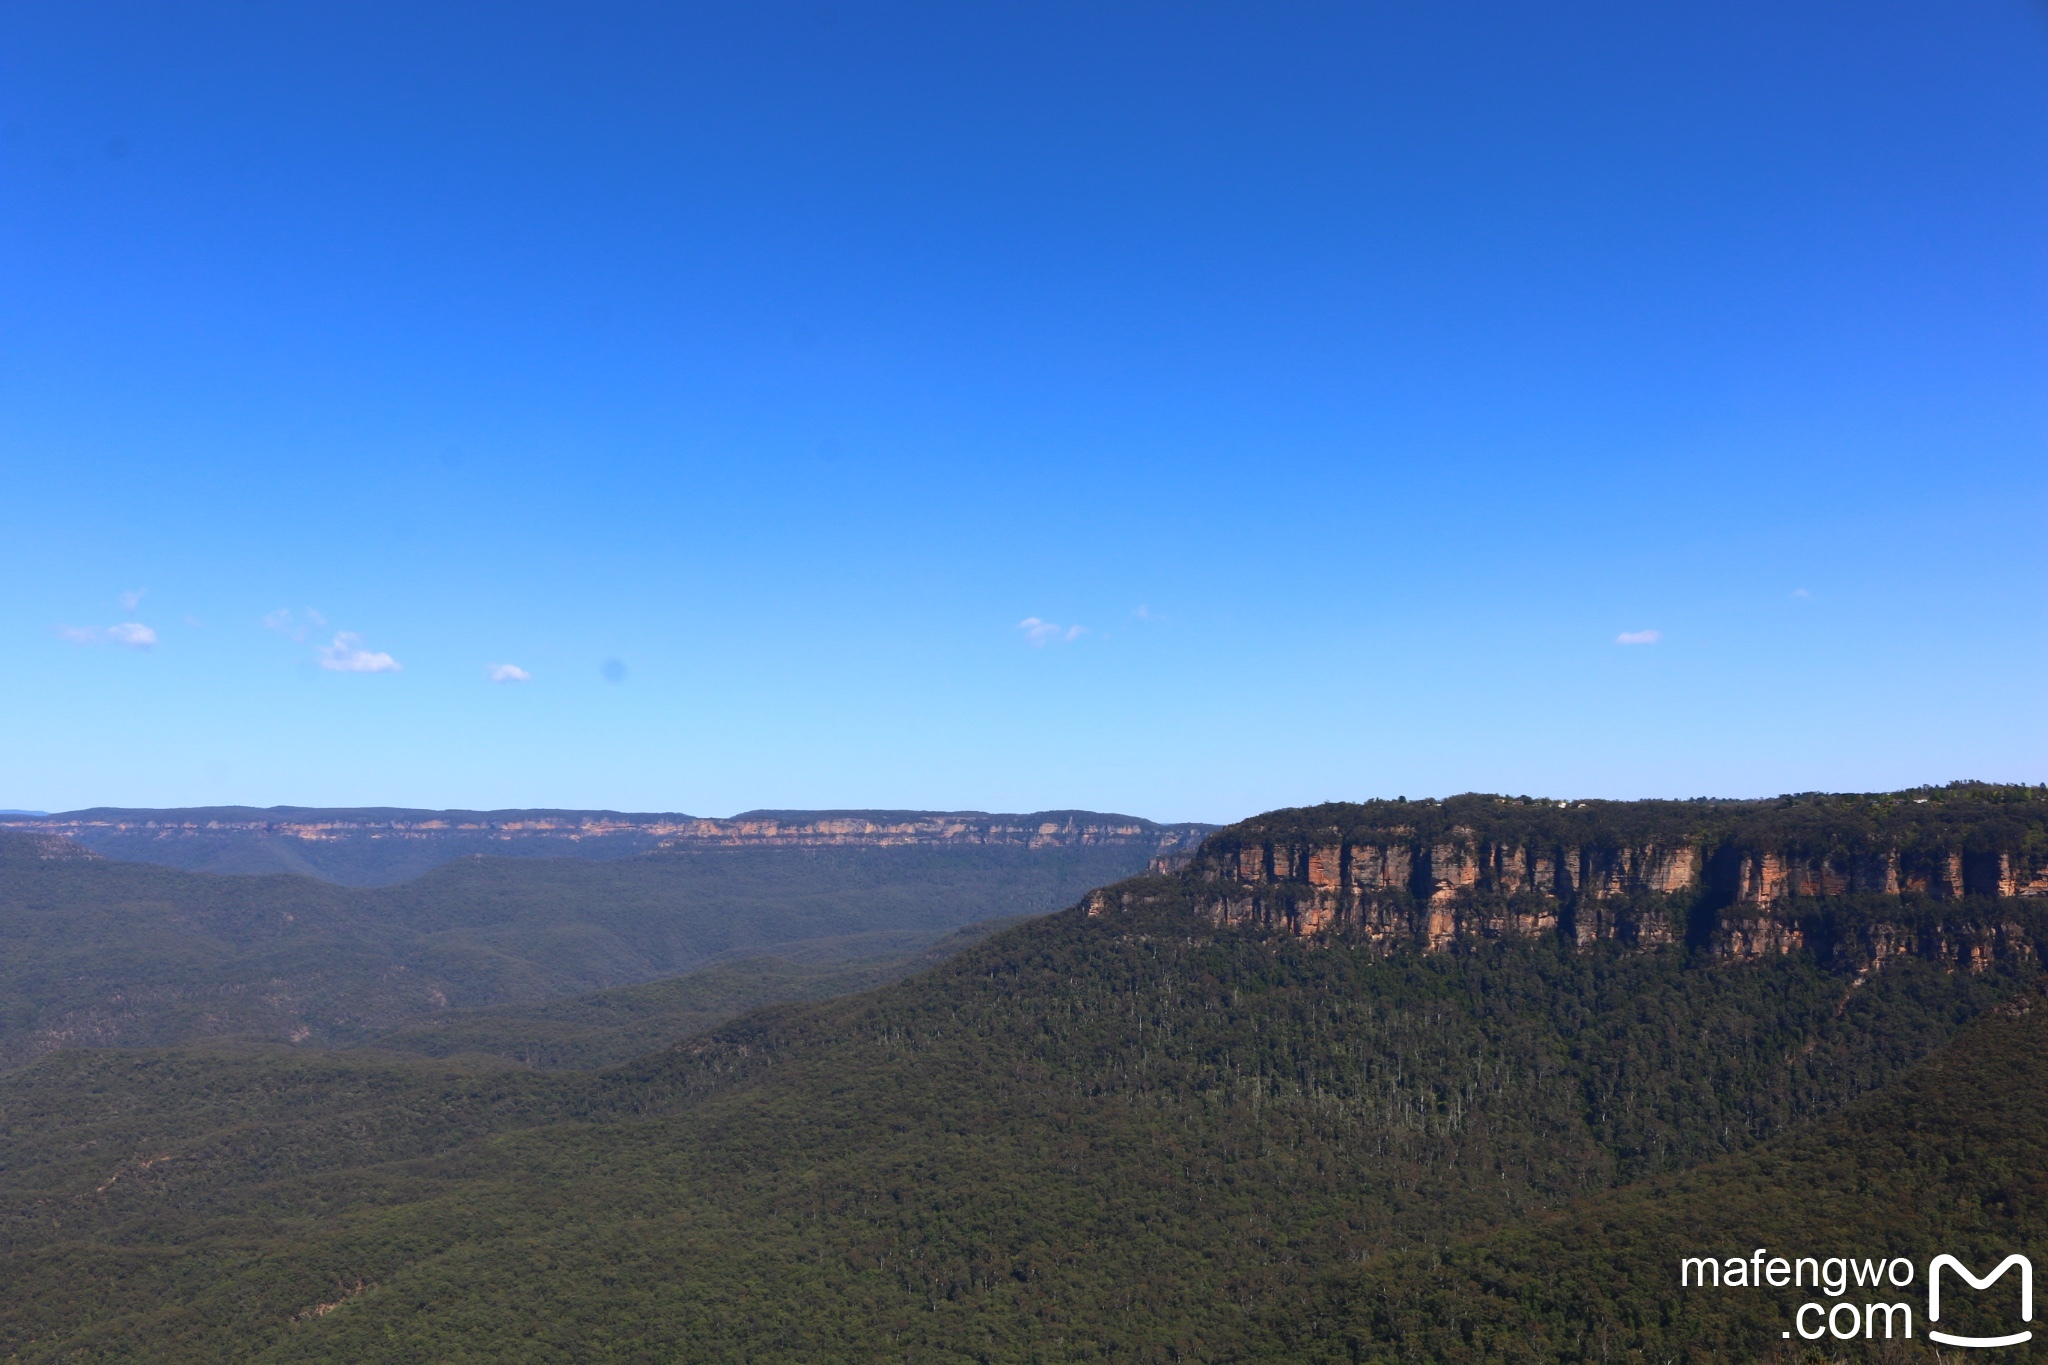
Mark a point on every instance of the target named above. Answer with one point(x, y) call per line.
point(1352, 376)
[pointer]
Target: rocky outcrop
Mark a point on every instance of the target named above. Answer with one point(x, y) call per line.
point(1400, 886)
point(2019, 875)
point(1745, 879)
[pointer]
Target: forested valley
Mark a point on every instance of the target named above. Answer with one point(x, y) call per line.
point(1145, 1127)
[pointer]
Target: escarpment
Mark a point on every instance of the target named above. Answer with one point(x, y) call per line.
point(1958, 873)
point(808, 829)
point(383, 846)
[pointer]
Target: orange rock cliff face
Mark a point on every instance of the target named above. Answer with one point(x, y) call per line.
point(1744, 879)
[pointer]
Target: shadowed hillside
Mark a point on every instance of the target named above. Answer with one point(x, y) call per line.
point(607, 1027)
point(103, 952)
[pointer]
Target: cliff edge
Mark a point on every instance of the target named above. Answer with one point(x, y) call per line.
point(1957, 872)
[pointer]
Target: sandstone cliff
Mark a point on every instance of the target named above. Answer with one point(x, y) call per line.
point(1922, 872)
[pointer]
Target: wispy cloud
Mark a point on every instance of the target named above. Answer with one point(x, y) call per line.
point(507, 673)
point(295, 628)
point(128, 634)
point(347, 655)
point(132, 634)
point(1802, 594)
point(133, 599)
point(1038, 634)
point(1141, 612)
point(1639, 637)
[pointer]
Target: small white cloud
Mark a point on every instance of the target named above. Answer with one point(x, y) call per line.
point(507, 673)
point(133, 634)
point(1802, 594)
point(1038, 634)
point(1143, 613)
point(131, 600)
point(195, 623)
point(347, 655)
point(1639, 637)
point(78, 635)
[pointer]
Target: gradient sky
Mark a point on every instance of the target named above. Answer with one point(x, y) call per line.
point(1183, 409)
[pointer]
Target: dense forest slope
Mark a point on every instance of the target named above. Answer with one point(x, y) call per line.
point(380, 846)
point(1137, 1129)
point(1952, 1158)
point(606, 1027)
point(95, 951)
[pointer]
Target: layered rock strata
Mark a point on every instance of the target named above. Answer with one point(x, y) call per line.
point(1741, 878)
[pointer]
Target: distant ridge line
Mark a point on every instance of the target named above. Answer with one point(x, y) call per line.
point(278, 814)
point(313, 824)
point(384, 845)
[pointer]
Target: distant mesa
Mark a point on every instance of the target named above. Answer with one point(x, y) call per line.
point(372, 846)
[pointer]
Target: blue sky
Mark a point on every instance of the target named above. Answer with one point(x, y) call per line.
point(1178, 409)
